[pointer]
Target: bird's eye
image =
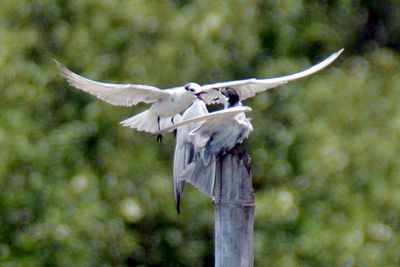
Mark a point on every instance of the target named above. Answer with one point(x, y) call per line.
point(191, 90)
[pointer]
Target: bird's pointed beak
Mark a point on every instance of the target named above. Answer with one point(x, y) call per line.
point(198, 95)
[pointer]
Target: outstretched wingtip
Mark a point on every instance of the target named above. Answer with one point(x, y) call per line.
point(62, 68)
point(332, 58)
point(338, 53)
point(59, 65)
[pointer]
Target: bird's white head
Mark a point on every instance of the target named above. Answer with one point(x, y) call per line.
point(194, 89)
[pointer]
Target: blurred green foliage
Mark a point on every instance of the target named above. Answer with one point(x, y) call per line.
point(77, 189)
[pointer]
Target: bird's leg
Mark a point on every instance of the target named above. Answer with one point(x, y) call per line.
point(159, 136)
point(175, 130)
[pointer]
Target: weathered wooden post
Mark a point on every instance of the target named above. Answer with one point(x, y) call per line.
point(234, 209)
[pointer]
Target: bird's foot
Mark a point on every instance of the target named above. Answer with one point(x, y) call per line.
point(159, 138)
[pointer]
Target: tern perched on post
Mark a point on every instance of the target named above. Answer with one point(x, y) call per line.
point(165, 104)
point(202, 137)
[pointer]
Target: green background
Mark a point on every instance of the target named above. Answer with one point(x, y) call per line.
point(77, 189)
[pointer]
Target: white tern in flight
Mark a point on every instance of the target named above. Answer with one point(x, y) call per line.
point(165, 104)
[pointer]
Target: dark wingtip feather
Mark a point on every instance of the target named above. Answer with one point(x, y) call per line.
point(178, 204)
point(60, 66)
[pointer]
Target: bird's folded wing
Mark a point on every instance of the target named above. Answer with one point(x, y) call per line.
point(217, 115)
point(115, 94)
point(184, 148)
point(183, 155)
point(250, 87)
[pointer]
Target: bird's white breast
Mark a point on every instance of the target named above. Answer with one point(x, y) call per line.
point(178, 101)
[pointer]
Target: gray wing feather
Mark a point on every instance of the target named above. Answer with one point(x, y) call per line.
point(184, 148)
point(201, 176)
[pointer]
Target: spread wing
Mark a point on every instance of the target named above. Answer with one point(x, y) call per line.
point(220, 115)
point(115, 94)
point(250, 87)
